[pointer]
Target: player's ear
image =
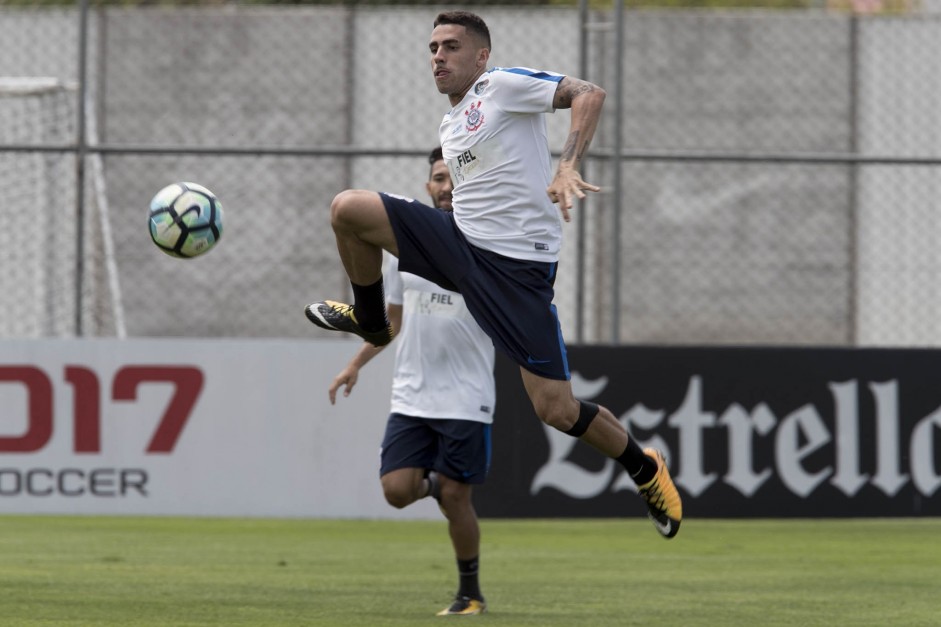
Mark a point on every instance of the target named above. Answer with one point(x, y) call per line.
point(483, 56)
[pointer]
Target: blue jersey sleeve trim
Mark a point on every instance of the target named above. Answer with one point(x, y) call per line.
point(555, 78)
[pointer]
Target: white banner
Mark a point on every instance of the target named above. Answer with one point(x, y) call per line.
point(192, 427)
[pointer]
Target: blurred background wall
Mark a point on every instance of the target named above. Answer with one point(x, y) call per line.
point(770, 175)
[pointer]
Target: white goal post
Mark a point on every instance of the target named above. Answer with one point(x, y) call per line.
point(38, 240)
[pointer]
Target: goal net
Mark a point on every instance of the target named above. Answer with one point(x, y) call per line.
point(39, 250)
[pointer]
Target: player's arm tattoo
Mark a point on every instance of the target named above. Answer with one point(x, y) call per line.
point(570, 148)
point(570, 88)
point(585, 100)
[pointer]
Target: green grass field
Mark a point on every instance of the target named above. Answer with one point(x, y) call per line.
point(591, 573)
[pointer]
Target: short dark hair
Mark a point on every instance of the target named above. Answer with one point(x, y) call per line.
point(472, 22)
point(435, 156)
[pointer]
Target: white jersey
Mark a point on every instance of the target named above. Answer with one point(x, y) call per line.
point(494, 142)
point(443, 360)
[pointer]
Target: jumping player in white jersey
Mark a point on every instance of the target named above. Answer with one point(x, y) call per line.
point(500, 246)
point(437, 439)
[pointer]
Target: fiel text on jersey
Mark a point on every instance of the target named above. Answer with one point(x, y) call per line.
point(465, 158)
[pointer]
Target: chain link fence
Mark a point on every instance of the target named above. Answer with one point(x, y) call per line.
point(769, 176)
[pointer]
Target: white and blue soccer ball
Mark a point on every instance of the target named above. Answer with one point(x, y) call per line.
point(185, 220)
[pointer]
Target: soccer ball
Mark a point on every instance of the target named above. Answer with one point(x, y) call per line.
point(185, 220)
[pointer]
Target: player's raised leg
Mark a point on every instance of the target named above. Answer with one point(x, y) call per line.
point(556, 405)
point(362, 230)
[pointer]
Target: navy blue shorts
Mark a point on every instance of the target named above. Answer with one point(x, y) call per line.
point(459, 449)
point(511, 299)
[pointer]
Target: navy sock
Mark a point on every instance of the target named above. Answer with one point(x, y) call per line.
point(369, 306)
point(467, 570)
point(639, 466)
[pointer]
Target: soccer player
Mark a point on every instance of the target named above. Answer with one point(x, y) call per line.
point(437, 439)
point(499, 247)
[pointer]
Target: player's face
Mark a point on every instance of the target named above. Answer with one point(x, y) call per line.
point(457, 60)
point(439, 186)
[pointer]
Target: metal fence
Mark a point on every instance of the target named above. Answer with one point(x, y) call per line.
point(770, 177)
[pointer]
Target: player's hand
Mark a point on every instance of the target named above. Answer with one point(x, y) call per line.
point(567, 185)
point(347, 377)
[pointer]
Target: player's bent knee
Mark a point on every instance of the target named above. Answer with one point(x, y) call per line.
point(355, 207)
point(400, 488)
point(342, 207)
point(397, 498)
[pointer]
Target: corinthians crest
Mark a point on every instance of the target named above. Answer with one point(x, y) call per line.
point(474, 117)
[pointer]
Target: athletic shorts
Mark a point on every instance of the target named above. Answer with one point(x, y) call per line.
point(459, 449)
point(511, 299)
